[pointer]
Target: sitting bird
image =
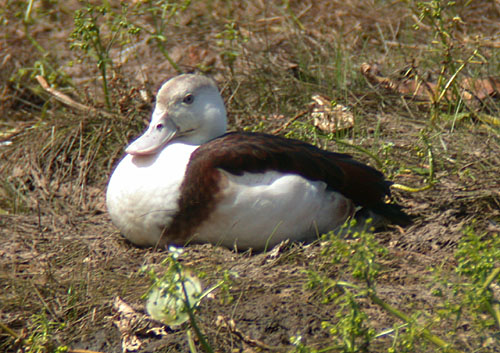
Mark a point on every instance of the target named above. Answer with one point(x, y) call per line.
point(186, 179)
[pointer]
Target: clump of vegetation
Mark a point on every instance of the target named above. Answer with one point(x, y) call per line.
point(175, 295)
point(472, 295)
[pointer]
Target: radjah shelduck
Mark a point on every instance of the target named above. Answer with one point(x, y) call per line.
point(187, 180)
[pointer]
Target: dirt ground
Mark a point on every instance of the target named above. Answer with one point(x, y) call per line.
point(62, 262)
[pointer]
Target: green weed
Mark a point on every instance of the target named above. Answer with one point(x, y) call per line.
point(46, 62)
point(99, 28)
point(469, 298)
point(229, 40)
point(442, 18)
point(89, 36)
point(352, 332)
point(175, 295)
point(41, 335)
point(161, 13)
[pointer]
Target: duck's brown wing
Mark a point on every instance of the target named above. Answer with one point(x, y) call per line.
point(241, 152)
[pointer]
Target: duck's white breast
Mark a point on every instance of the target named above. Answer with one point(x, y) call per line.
point(143, 191)
point(259, 210)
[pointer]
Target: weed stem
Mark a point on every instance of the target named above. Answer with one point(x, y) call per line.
point(9, 331)
point(167, 56)
point(192, 319)
point(377, 160)
point(411, 189)
point(493, 275)
point(399, 314)
point(494, 309)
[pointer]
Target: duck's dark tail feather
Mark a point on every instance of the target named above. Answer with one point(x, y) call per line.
point(383, 214)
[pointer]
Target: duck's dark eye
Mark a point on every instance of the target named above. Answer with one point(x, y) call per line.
point(188, 99)
point(159, 126)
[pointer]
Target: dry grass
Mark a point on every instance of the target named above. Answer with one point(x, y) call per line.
point(61, 260)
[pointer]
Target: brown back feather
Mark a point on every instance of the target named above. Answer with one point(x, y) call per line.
point(242, 152)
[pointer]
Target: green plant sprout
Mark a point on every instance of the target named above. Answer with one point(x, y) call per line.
point(87, 36)
point(227, 39)
point(46, 63)
point(440, 16)
point(431, 179)
point(41, 335)
point(478, 270)
point(174, 297)
point(162, 13)
point(166, 300)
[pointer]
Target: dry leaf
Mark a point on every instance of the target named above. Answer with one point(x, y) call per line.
point(330, 117)
point(482, 88)
point(131, 323)
point(472, 88)
point(421, 90)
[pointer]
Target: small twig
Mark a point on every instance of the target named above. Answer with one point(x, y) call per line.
point(167, 56)
point(192, 347)
point(289, 122)
point(495, 312)
point(27, 14)
point(39, 216)
point(63, 98)
point(430, 156)
point(11, 332)
point(231, 326)
point(39, 295)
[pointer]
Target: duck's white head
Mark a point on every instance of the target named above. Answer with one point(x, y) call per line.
point(188, 108)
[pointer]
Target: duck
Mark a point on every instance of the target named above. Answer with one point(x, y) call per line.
point(187, 180)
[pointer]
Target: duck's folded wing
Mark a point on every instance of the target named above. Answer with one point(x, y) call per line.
point(240, 153)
